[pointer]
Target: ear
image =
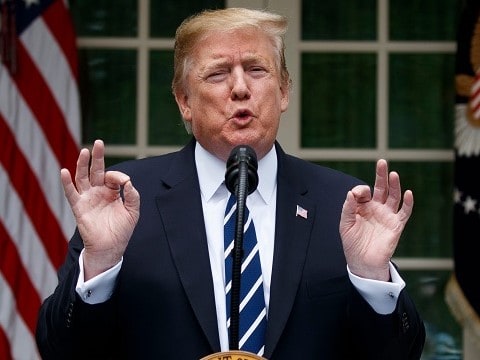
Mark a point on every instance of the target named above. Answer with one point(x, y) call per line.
point(285, 98)
point(183, 105)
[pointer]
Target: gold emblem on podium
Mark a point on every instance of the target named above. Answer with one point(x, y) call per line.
point(233, 355)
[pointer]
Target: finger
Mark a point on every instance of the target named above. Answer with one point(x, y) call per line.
point(359, 194)
point(394, 191)
point(362, 193)
point(97, 168)
point(82, 180)
point(69, 189)
point(407, 206)
point(380, 191)
point(115, 179)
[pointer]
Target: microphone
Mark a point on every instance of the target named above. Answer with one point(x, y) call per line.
point(241, 179)
point(242, 162)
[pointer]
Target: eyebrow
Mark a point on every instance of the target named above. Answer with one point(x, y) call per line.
point(220, 61)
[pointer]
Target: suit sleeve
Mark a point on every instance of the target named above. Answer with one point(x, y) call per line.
point(396, 336)
point(68, 328)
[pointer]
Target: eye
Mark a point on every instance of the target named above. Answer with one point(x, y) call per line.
point(217, 76)
point(257, 71)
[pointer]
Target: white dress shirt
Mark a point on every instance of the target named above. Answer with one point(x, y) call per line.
point(382, 296)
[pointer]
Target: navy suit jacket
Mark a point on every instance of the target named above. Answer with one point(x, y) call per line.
point(163, 305)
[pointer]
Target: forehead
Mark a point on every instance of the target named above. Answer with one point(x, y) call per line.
point(246, 43)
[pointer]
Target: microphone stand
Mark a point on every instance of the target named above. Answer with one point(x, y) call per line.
point(237, 253)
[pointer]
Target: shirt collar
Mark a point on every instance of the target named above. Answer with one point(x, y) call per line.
point(211, 174)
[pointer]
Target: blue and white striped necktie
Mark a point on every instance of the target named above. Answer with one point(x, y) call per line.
point(253, 314)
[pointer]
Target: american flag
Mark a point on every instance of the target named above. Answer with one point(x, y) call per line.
point(39, 134)
point(301, 212)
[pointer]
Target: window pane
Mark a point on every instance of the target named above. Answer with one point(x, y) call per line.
point(108, 95)
point(105, 17)
point(444, 334)
point(429, 231)
point(166, 15)
point(338, 100)
point(339, 20)
point(364, 170)
point(421, 104)
point(165, 125)
point(423, 20)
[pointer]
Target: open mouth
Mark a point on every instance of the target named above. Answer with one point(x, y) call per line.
point(242, 114)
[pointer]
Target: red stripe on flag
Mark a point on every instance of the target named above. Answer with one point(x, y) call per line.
point(63, 31)
point(46, 110)
point(5, 351)
point(33, 198)
point(475, 96)
point(27, 299)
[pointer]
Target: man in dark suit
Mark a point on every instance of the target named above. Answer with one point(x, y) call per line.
point(144, 275)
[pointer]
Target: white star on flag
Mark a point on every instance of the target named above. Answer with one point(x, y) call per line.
point(469, 204)
point(301, 212)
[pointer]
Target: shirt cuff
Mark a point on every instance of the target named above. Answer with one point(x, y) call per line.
point(381, 295)
point(99, 288)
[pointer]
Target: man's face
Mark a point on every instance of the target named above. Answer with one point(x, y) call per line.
point(233, 94)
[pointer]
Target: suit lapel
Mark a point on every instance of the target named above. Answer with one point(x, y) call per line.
point(182, 215)
point(292, 236)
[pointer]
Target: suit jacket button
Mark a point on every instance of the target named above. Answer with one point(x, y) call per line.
point(405, 322)
point(69, 315)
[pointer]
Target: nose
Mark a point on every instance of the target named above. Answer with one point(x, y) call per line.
point(240, 88)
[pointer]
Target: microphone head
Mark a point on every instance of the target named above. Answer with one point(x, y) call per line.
point(241, 154)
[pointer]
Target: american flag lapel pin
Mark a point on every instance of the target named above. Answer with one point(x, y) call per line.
point(301, 212)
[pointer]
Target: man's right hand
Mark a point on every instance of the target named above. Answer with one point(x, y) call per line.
point(105, 221)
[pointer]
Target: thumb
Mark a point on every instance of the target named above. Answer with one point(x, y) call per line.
point(349, 210)
point(131, 199)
